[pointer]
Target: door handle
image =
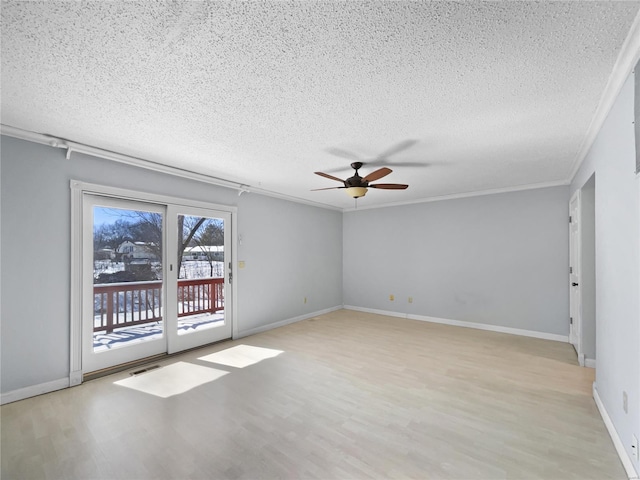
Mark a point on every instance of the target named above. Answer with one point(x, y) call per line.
point(574, 284)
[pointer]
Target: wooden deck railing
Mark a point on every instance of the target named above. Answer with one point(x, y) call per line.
point(126, 304)
point(200, 295)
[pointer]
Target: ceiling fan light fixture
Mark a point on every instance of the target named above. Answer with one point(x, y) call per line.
point(356, 192)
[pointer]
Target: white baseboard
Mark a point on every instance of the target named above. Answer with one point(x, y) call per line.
point(460, 323)
point(590, 362)
point(617, 442)
point(282, 323)
point(375, 311)
point(34, 390)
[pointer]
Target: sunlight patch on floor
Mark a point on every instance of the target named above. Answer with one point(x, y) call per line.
point(174, 379)
point(241, 356)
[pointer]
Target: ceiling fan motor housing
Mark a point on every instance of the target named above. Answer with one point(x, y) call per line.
point(356, 180)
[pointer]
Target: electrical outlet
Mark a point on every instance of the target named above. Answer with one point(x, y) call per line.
point(391, 298)
point(634, 447)
point(410, 299)
point(305, 299)
point(625, 402)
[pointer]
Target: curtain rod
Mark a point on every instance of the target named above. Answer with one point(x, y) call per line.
point(71, 147)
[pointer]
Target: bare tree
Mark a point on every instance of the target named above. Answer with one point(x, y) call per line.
point(111, 235)
point(187, 230)
point(211, 234)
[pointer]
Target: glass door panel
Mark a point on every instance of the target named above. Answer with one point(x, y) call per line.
point(123, 293)
point(200, 280)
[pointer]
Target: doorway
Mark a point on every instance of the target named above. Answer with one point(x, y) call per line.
point(153, 273)
point(588, 270)
point(575, 307)
point(582, 273)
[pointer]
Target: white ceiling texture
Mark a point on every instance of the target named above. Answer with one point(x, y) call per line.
point(454, 97)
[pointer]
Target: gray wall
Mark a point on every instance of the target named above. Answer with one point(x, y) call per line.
point(291, 251)
point(617, 251)
point(35, 256)
point(588, 267)
point(496, 259)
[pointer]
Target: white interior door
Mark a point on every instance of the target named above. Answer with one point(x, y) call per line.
point(124, 294)
point(199, 277)
point(575, 304)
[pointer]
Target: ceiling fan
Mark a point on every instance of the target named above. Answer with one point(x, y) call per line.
point(357, 186)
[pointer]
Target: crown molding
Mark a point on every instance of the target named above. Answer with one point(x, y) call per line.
point(625, 63)
point(479, 193)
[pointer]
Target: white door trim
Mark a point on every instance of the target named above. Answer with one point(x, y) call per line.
point(575, 293)
point(135, 195)
point(78, 189)
point(75, 341)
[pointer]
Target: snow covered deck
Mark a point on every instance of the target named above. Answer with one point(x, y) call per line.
point(151, 331)
point(127, 304)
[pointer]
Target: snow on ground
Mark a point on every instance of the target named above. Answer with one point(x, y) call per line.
point(201, 269)
point(188, 269)
point(126, 336)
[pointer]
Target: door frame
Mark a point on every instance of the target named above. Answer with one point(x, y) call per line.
point(78, 190)
point(575, 256)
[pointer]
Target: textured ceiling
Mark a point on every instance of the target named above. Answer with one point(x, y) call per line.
point(495, 94)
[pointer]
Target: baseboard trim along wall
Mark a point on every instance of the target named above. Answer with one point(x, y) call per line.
point(617, 442)
point(590, 362)
point(33, 390)
point(460, 323)
point(282, 323)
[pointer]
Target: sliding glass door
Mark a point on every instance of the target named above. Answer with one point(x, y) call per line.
point(156, 279)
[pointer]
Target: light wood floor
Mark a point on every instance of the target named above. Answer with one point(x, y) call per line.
point(353, 395)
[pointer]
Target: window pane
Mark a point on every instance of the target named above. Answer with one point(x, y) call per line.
point(201, 273)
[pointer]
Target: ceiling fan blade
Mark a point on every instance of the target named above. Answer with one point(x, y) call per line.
point(408, 164)
point(338, 152)
point(386, 161)
point(390, 186)
point(340, 169)
point(398, 147)
point(331, 177)
point(329, 188)
point(376, 174)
